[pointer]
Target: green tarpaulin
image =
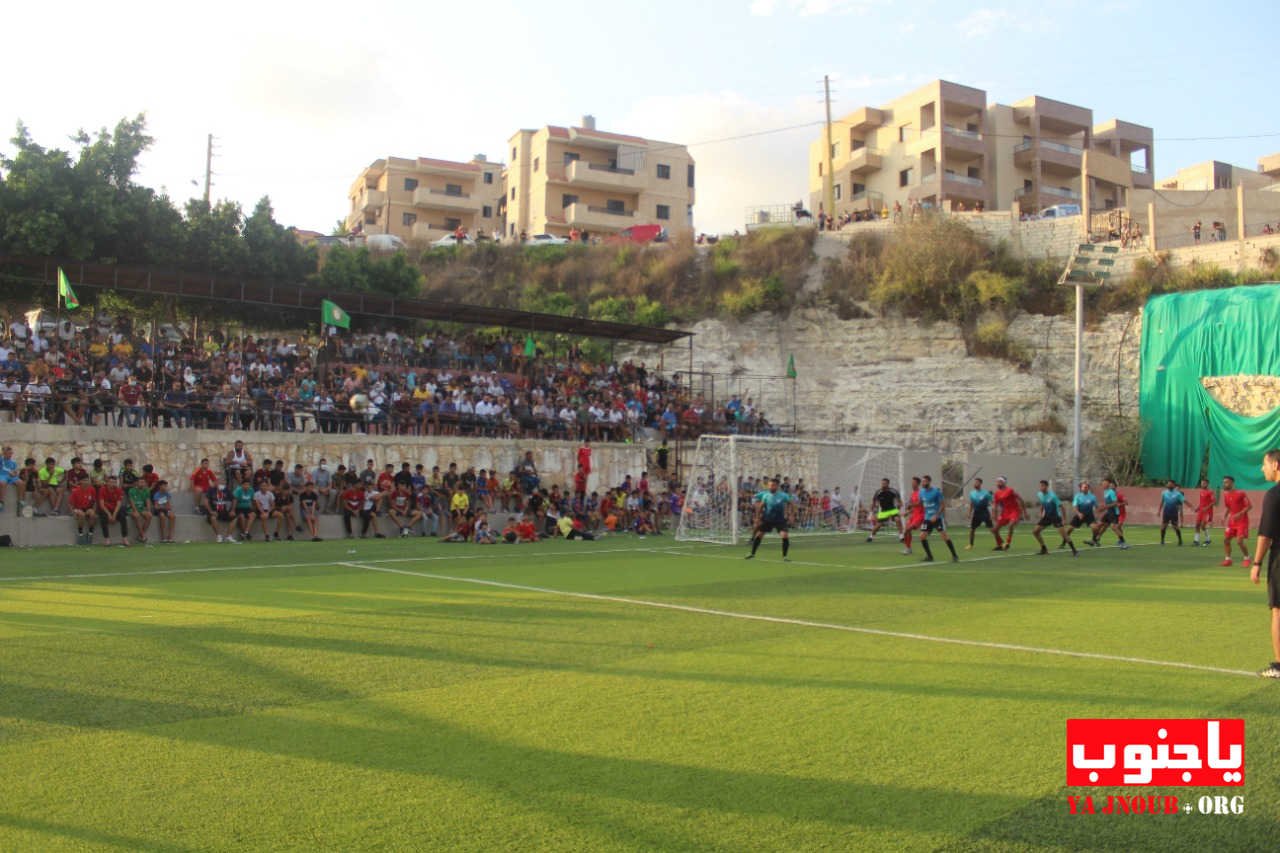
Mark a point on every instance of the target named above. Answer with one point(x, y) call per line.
point(1187, 337)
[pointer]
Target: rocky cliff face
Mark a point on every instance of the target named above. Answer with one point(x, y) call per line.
point(902, 382)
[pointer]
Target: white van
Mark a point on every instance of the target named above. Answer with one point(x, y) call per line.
point(1060, 210)
point(384, 243)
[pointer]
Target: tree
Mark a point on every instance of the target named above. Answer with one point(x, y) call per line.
point(273, 252)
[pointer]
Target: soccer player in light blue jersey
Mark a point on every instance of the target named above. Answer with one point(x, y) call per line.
point(771, 514)
point(931, 500)
point(979, 511)
point(1051, 516)
point(1171, 500)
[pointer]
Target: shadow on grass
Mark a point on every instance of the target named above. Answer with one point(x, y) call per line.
point(85, 835)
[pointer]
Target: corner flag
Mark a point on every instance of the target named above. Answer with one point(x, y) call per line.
point(65, 293)
point(791, 366)
point(332, 315)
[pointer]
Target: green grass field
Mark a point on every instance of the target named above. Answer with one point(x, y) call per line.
point(281, 696)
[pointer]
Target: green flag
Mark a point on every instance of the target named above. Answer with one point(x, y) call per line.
point(791, 366)
point(332, 315)
point(65, 293)
point(530, 348)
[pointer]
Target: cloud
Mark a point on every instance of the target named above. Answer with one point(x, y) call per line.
point(983, 22)
point(810, 8)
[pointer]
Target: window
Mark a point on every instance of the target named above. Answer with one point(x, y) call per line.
point(536, 160)
point(664, 212)
point(837, 191)
point(408, 218)
point(488, 177)
point(973, 172)
point(902, 132)
point(614, 205)
point(486, 212)
point(453, 189)
point(570, 157)
point(513, 155)
point(452, 224)
point(371, 219)
point(856, 144)
point(819, 170)
point(835, 150)
point(513, 193)
point(568, 199)
point(858, 189)
point(690, 176)
point(905, 177)
point(410, 184)
point(664, 171)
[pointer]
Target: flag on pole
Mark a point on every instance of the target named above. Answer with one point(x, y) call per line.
point(530, 348)
point(65, 293)
point(791, 366)
point(332, 315)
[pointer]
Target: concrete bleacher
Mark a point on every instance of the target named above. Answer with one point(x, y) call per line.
point(61, 530)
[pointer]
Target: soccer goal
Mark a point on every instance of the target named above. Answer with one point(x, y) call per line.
point(832, 480)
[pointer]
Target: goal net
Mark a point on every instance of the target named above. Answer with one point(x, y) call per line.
point(832, 482)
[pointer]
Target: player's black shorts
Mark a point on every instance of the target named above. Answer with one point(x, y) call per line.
point(246, 511)
point(1169, 517)
point(769, 525)
point(1049, 519)
point(1082, 519)
point(1111, 516)
point(931, 524)
point(224, 517)
point(980, 518)
point(1273, 585)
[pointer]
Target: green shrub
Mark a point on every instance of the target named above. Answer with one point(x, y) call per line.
point(991, 338)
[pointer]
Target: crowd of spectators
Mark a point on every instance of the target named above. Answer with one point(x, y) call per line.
point(242, 497)
point(433, 384)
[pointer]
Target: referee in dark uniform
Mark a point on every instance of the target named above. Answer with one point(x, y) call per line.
point(1268, 533)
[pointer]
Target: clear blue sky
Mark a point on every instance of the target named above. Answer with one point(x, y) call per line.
point(302, 97)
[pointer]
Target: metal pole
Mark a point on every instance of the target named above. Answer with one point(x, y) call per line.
point(828, 184)
point(1079, 369)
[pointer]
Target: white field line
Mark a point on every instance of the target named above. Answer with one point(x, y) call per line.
point(190, 571)
point(805, 623)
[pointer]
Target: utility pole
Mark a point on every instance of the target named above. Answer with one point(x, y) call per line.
point(208, 169)
point(828, 180)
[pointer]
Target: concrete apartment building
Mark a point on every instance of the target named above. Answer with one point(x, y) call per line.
point(1216, 175)
point(944, 142)
point(425, 199)
point(565, 177)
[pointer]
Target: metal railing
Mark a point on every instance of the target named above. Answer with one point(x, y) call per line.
point(612, 211)
point(960, 131)
point(600, 167)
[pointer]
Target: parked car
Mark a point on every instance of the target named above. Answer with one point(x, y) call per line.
point(546, 240)
point(1060, 210)
point(384, 243)
point(640, 234)
point(449, 241)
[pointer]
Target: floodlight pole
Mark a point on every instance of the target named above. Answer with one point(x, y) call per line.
point(1079, 369)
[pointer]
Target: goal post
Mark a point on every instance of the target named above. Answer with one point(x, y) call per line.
point(833, 482)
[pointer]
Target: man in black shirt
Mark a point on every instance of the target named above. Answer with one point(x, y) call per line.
point(886, 508)
point(1268, 532)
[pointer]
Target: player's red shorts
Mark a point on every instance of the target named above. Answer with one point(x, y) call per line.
point(1204, 517)
point(1009, 518)
point(916, 521)
point(1237, 529)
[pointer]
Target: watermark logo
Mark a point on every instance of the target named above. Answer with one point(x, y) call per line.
point(1117, 753)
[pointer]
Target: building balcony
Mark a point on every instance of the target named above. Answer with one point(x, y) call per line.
point(600, 176)
point(951, 186)
point(963, 144)
point(596, 218)
point(427, 197)
point(864, 161)
point(373, 199)
point(862, 120)
point(1142, 179)
point(1055, 157)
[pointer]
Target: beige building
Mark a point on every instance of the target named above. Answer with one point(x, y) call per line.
point(944, 142)
point(425, 199)
point(1216, 175)
point(560, 178)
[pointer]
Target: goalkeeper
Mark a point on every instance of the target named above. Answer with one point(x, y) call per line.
point(771, 514)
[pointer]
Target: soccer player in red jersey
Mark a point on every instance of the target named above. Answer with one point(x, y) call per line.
point(1204, 512)
point(1009, 511)
point(352, 499)
point(84, 502)
point(1237, 505)
point(915, 514)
